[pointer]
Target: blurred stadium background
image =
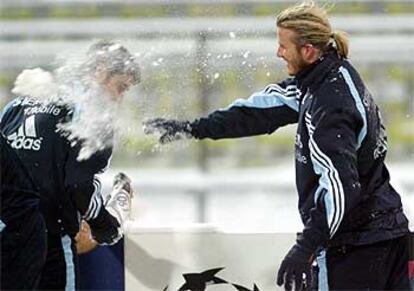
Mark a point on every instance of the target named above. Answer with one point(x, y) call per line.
point(197, 56)
point(201, 55)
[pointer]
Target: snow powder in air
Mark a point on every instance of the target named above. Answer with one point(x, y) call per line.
point(95, 114)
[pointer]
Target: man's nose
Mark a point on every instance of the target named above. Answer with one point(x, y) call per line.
point(279, 52)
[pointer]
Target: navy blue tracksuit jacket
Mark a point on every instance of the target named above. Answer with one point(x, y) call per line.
point(68, 188)
point(343, 184)
point(22, 227)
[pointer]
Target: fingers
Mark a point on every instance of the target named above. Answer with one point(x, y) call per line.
point(309, 280)
point(289, 277)
point(167, 138)
point(281, 274)
point(154, 121)
point(154, 125)
point(168, 129)
point(298, 282)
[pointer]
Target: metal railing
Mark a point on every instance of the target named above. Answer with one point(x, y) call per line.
point(178, 27)
point(36, 42)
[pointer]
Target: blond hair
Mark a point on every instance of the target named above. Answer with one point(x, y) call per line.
point(311, 24)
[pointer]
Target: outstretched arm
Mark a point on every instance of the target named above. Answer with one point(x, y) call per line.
point(262, 113)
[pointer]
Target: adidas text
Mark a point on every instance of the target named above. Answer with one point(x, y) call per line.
point(27, 143)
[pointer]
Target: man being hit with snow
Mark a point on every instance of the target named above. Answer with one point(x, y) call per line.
point(354, 224)
point(69, 187)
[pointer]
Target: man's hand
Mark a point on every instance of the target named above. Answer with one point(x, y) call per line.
point(169, 129)
point(84, 241)
point(296, 267)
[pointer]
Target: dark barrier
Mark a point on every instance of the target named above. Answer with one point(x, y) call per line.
point(103, 268)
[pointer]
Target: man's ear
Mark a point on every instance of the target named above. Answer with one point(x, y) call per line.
point(310, 53)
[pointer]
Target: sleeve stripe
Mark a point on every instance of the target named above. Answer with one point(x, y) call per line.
point(2, 225)
point(286, 95)
point(86, 216)
point(334, 199)
point(279, 89)
point(96, 202)
point(335, 196)
point(358, 103)
point(98, 207)
point(310, 127)
point(271, 96)
point(97, 197)
point(327, 183)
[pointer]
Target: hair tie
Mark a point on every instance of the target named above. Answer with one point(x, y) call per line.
point(332, 41)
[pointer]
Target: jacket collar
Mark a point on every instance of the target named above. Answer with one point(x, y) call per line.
point(311, 76)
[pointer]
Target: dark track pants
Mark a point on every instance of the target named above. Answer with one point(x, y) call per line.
point(60, 270)
point(379, 266)
point(23, 253)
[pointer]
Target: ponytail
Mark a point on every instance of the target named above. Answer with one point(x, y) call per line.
point(341, 43)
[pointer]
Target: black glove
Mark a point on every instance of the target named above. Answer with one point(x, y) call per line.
point(297, 262)
point(169, 129)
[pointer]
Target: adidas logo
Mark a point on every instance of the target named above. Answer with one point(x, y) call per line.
point(26, 136)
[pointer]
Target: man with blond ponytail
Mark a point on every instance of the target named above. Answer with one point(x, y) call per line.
point(354, 224)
